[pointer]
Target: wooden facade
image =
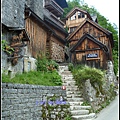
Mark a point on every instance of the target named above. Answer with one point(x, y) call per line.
point(38, 35)
point(45, 37)
point(90, 44)
point(75, 17)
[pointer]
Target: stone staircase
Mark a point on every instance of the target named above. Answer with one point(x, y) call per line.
point(74, 97)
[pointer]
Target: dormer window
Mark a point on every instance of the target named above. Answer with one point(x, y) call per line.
point(73, 17)
point(81, 15)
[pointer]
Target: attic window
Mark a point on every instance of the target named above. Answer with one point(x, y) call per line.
point(81, 15)
point(73, 17)
point(72, 29)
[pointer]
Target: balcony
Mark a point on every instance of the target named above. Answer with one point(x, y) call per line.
point(53, 7)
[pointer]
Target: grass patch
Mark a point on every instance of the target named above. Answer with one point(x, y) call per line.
point(50, 78)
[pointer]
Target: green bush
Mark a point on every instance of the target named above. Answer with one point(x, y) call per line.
point(70, 66)
point(94, 75)
point(85, 103)
point(44, 64)
point(56, 78)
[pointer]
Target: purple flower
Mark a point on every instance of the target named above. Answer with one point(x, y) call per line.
point(50, 102)
point(42, 102)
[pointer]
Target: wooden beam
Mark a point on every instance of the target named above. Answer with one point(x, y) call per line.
point(92, 58)
point(88, 50)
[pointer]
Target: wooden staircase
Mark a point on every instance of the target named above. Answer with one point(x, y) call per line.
point(74, 97)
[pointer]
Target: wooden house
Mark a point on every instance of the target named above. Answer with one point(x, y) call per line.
point(46, 36)
point(89, 43)
point(75, 17)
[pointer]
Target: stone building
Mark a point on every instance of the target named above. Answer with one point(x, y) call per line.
point(32, 27)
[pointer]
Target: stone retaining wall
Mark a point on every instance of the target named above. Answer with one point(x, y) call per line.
point(20, 101)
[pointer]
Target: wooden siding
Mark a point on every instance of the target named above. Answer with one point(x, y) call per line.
point(43, 41)
point(90, 29)
point(89, 47)
point(58, 32)
point(38, 36)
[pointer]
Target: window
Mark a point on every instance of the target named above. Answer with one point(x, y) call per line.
point(73, 17)
point(72, 29)
point(81, 15)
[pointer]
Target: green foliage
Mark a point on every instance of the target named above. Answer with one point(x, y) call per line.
point(115, 58)
point(56, 78)
point(43, 64)
point(85, 103)
point(35, 77)
point(70, 66)
point(68, 117)
point(6, 48)
point(94, 75)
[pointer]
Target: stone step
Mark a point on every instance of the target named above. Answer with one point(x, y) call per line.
point(88, 119)
point(63, 67)
point(75, 99)
point(68, 84)
point(68, 77)
point(69, 81)
point(79, 112)
point(66, 72)
point(73, 96)
point(72, 89)
point(73, 92)
point(84, 117)
point(75, 103)
point(79, 107)
point(74, 86)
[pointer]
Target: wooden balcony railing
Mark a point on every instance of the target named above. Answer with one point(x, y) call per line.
point(53, 7)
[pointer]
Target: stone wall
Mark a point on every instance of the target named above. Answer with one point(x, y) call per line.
point(89, 93)
point(110, 75)
point(20, 101)
point(6, 65)
point(13, 13)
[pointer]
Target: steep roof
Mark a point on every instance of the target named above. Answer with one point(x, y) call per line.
point(90, 37)
point(80, 10)
point(95, 25)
